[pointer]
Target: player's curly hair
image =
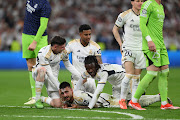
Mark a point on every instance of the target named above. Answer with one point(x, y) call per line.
point(91, 59)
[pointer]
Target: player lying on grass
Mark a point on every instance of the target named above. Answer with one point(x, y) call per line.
point(106, 72)
point(81, 99)
point(47, 69)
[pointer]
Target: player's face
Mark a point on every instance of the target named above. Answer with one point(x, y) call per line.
point(85, 36)
point(66, 94)
point(91, 69)
point(137, 4)
point(59, 48)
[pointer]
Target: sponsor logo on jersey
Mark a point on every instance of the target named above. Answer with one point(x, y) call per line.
point(161, 17)
point(30, 8)
point(135, 27)
point(120, 19)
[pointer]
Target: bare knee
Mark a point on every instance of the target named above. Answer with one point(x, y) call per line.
point(41, 74)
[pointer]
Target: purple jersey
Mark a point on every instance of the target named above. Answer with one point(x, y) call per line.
point(35, 9)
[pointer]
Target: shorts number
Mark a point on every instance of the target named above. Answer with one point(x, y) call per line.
point(127, 53)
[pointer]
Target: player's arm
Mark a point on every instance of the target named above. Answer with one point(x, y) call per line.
point(71, 68)
point(99, 59)
point(68, 65)
point(40, 32)
point(98, 90)
point(144, 16)
point(116, 34)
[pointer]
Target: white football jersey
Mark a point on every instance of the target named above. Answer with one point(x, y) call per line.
point(47, 57)
point(132, 38)
point(79, 52)
point(83, 99)
point(113, 73)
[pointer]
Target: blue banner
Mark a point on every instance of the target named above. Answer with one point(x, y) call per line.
point(14, 60)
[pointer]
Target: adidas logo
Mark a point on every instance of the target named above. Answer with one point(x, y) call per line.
point(78, 51)
point(132, 20)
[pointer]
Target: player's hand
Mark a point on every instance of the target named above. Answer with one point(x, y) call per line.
point(152, 46)
point(32, 46)
point(85, 80)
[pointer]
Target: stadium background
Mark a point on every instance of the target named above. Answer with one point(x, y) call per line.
point(65, 19)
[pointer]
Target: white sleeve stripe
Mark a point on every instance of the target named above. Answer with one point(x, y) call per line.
point(147, 4)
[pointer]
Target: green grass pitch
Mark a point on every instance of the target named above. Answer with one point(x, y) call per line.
point(15, 90)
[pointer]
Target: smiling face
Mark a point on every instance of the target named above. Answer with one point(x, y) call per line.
point(91, 69)
point(66, 94)
point(85, 36)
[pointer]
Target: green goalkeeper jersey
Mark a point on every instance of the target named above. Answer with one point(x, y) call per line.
point(151, 23)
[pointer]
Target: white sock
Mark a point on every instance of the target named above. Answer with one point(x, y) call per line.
point(146, 100)
point(135, 82)
point(134, 100)
point(163, 102)
point(39, 86)
point(46, 100)
point(124, 86)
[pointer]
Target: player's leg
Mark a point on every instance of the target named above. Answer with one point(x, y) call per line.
point(151, 74)
point(30, 59)
point(129, 67)
point(146, 100)
point(53, 99)
point(163, 81)
point(135, 80)
point(139, 64)
point(41, 72)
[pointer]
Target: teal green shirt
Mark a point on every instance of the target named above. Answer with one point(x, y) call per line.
point(151, 23)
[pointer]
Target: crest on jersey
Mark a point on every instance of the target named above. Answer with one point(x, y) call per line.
point(144, 13)
point(90, 52)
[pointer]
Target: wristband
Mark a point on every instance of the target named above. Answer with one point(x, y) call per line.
point(148, 38)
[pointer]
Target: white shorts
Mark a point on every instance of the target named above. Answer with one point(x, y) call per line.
point(137, 57)
point(88, 86)
point(50, 87)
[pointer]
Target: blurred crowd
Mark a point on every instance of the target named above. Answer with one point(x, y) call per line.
point(68, 15)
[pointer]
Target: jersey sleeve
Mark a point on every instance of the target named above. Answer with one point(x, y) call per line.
point(99, 89)
point(42, 60)
point(97, 49)
point(46, 10)
point(120, 20)
point(145, 12)
point(64, 55)
point(69, 47)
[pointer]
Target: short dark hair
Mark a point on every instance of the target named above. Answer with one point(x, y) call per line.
point(64, 85)
point(91, 59)
point(58, 40)
point(84, 27)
